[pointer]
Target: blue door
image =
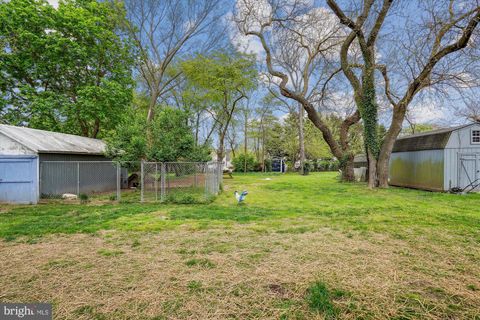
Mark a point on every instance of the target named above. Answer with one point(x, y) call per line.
point(18, 179)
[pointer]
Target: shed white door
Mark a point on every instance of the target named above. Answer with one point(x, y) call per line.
point(18, 179)
point(469, 171)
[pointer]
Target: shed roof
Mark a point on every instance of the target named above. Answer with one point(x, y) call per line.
point(42, 141)
point(430, 140)
point(360, 158)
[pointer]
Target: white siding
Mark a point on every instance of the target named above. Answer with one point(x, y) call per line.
point(11, 147)
point(462, 138)
point(452, 165)
point(459, 143)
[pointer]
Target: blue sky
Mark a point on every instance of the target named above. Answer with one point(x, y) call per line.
point(422, 110)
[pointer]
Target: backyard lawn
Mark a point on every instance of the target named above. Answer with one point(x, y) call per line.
point(299, 248)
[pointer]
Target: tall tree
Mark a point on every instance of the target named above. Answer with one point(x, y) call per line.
point(226, 79)
point(165, 30)
point(66, 69)
point(171, 140)
point(298, 40)
point(428, 48)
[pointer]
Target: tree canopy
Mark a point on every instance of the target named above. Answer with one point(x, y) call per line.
point(171, 138)
point(65, 69)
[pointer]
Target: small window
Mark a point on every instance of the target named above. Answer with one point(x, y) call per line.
point(476, 136)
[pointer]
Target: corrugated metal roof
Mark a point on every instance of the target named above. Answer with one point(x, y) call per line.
point(42, 141)
point(430, 140)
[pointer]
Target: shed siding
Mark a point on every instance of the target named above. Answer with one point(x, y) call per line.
point(71, 157)
point(461, 138)
point(11, 147)
point(459, 143)
point(418, 169)
point(19, 179)
point(452, 165)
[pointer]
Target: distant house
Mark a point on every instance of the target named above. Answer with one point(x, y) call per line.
point(437, 160)
point(226, 161)
point(37, 162)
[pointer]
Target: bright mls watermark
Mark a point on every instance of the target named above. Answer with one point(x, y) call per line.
point(26, 311)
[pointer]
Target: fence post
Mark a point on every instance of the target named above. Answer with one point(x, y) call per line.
point(141, 181)
point(156, 181)
point(119, 184)
point(78, 178)
point(162, 181)
point(195, 182)
point(207, 177)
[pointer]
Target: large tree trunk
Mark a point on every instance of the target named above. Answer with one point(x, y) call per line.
point(245, 142)
point(340, 151)
point(369, 111)
point(301, 138)
point(387, 145)
point(221, 147)
point(372, 170)
point(347, 169)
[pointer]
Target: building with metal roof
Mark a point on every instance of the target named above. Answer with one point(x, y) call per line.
point(437, 160)
point(38, 162)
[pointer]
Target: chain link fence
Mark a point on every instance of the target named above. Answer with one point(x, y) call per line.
point(177, 182)
point(180, 182)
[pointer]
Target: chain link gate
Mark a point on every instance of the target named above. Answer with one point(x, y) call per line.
point(179, 181)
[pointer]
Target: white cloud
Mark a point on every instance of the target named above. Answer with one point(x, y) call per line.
point(53, 3)
point(243, 43)
point(426, 112)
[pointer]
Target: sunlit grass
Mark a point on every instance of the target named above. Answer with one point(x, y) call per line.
point(300, 247)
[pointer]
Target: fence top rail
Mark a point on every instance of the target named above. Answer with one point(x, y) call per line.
point(77, 161)
point(120, 162)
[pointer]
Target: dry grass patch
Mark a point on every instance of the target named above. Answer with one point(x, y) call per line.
point(240, 273)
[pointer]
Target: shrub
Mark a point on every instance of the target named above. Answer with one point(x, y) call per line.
point(182, 198)
point(306, 167)
point(327, 165)
point(268, 165)
point(239, 163)
point(84, 198)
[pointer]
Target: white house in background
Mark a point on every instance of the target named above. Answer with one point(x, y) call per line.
point(227, 159)
point(437, 160)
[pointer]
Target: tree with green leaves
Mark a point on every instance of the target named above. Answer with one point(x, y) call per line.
point(226, 79)
point(172, 138)
point(66, 69)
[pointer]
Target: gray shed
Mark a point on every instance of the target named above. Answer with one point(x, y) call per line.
point(437, 160)
point(35, 162)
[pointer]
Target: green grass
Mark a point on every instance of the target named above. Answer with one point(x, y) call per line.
point(396, 253)
point(311, 202)
point(320, 299)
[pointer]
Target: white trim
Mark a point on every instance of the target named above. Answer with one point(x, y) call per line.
point(471, 136)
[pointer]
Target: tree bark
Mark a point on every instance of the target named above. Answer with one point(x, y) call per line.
point(347, 169)
point(245, 141)
point(388, 142)
point(221, 147)
point(372, 169)
point(301, 138)
point(151, 106)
